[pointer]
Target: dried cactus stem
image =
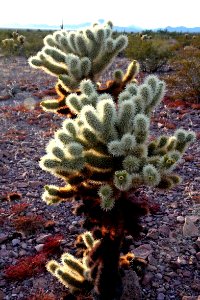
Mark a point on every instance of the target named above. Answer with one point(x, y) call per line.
point(108, 284)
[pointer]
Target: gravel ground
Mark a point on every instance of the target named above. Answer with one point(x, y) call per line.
point(171, 242)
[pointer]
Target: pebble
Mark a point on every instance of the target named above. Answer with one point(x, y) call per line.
point(153, 233)
point(198, 255)
point(180, 219)
point(24, 245)
point(143, 251)
point(198, 242)
point(160, 296)
point(147, 278)
point(39, 247)
point(15, 242)
point(3, 237)
point(164, 229)
point(42, 238)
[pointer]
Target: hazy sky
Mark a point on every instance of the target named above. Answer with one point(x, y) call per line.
point(141, 13)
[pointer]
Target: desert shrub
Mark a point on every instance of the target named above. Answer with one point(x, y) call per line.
point(14, 45)
point(32, 44)
point(152, 54)
point(28, 224)
point(26, 267)
point(19, 208)
point(185, 81)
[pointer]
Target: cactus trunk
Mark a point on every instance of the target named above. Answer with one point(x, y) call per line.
point(109, 283)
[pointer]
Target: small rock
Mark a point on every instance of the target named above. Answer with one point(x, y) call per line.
point(153, 233)
point(181, 261)
point(180, 219)
point(186, 273)
point(39, 247)
point(160, 296)
point(35, 184)
point(41, 239)
point(15, 254)
point(74, 222)
point(198, 255)
point(151, 268)
point(161, 289)
point(148, 219)
point(22, 185)
point(72, 229)
point(164, 229)
point(15, 242)
point(198, 242)
point(22, 253)
point(158, 275)
point(174, 205)
point(3, 237)
point(143, 251)
point(24, 245)
point(152, 260)
point(2, 283)
point(147, 278)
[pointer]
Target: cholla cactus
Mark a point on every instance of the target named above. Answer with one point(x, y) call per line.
point(105, 156)
point(109, 143)
point(80, 274)
point(73, 56)
point(15, 43)
point(75, 273)
point(76, 55)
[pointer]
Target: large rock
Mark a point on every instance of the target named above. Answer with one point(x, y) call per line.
point(143, 251)
point(189, 228)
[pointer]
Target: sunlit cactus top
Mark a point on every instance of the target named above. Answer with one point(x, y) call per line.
point(75, 55)
point(107, 145)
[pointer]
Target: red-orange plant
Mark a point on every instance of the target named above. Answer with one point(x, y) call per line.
point(52, 244)
point(19, 208)
point(28, 224)
point(26, 267)
point(41, 295)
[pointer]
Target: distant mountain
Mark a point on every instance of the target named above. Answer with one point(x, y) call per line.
point(130, 28)
point(183, 29)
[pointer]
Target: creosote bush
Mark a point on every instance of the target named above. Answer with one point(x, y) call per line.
point(104, 154)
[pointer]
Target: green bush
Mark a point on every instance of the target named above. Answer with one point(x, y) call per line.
point(152, 54)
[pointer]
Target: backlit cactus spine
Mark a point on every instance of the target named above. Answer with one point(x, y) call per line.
point(106, 142)
point(73, 56)
point(76, 55)
point(74, 273)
